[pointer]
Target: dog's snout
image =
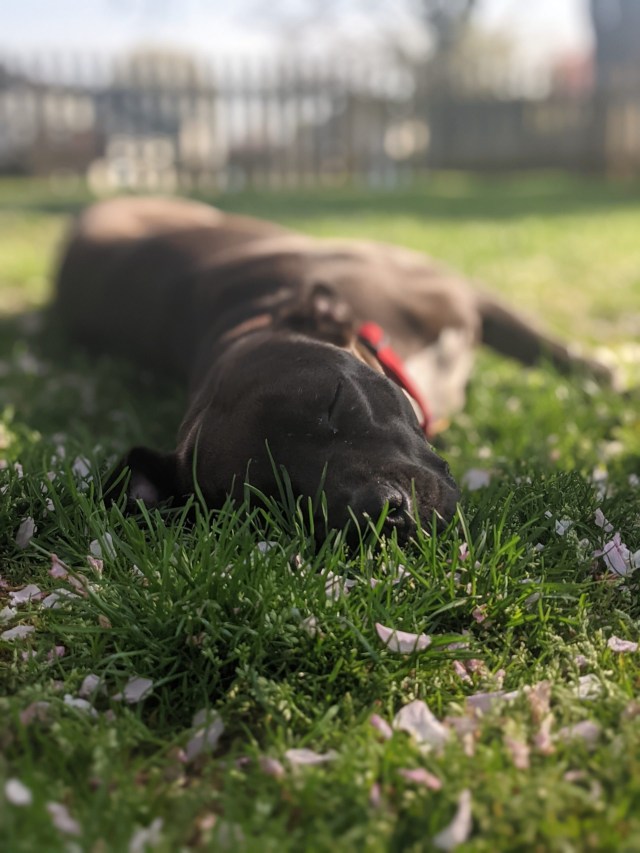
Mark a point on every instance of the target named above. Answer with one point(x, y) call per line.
point(371, 501)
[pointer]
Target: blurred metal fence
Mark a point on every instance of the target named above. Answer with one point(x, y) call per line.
point(159, 120)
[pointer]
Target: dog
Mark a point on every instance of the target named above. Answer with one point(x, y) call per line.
point(333, 360)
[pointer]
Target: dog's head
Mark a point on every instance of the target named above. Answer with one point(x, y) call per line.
point(282, 399)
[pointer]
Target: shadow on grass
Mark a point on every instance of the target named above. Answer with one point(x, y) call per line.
point(53, 388)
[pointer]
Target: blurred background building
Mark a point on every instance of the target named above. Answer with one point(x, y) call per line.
point(164, 95)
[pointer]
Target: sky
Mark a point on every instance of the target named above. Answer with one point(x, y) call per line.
point(542, 27)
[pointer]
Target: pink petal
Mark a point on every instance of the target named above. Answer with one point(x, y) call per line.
point(25, 532)
point(58, 569)
point(299, 757)
point(336, 586)
point(479, 613)
point(271, 767)
point(35, 711)
point(460, 827)
point(17, 633)
point(421, 777)
point(519, 751)
point(80, 705)
point(602, 522)
point(62, 820)
point(417, 719)
point(382, 726)
point(460, 671)
point(542, 739)
point(375, 796)
point(402, 642)
point(618, 645)
point(17, 793)
point(56, 652)
point(135, 690)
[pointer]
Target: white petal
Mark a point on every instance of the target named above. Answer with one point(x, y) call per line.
point(17, 633)
point(476, 478)
point(24, 595)
point(416, 719)
point(310, 625)
point(206, 738)
point(135, 690)
point(265, 546)
point(17, 793)
point(53, 600)
point(7, 614)
point(484, 702)
point(82, 468)
point(80, 704)
point(459, 829)
point(90, 685)
point(402, 642)
point(563, 525)
point(616, 644)
point(146, 838)
point(25, 532)
point(589, 686)
point(336, 586)
point(62, 820)
point(586, 730)
point(299, 757)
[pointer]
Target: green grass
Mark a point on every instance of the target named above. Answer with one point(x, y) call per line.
point(217, 623)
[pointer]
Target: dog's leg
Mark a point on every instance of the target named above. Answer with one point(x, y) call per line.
point(511, 334)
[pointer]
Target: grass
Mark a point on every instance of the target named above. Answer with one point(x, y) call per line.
point(218, 621)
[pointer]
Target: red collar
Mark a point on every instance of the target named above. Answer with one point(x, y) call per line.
point(375, 340)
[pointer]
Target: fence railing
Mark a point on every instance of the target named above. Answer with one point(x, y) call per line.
point(164, 121)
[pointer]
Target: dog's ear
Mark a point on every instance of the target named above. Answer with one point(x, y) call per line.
point(144, 475)
point(320, 312)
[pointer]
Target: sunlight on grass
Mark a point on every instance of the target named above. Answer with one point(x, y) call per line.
point(143, 621)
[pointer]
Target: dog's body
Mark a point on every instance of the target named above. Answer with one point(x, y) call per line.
point(261, 322)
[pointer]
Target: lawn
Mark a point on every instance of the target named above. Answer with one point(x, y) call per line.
point(228, 686)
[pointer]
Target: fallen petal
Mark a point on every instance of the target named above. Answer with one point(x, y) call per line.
point(589, 686)
point(299, 757)
point(421, 777)
point(336, 586)
point(80, 704)
point(417, 719)
point(35, 711)
point(7, 614)
point(459, 829)
point(586, 730)
point(26, 594)
point(90, 685)
point(563, 525)
point(146, 838)
point(460, 671)
point(271, 767)
point(25, 532)
point(17, 633)
point(62, 820)
point(519, 751)
point(602, 522)
point(17, 793)
point(402, 642)
point(381, 725)
point(618, 645)
point(135, 690)
point(310, 625)
point(484, 702)
point(206, 738)
point(58, 569)
point(476, 478)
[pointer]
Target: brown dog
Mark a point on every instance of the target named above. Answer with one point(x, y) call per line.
point(263, 324)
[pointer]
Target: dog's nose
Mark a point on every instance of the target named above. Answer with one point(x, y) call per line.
point(368, 503)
